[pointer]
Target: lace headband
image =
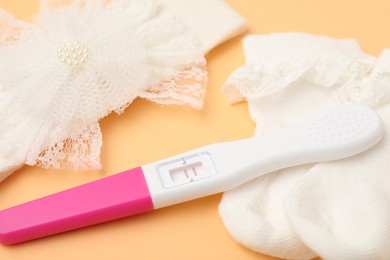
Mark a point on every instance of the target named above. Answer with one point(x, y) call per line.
point(77, 62)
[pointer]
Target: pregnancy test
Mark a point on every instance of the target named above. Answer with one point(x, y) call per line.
point(330, 135)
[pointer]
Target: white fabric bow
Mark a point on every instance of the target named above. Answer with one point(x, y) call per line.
point(76, 63)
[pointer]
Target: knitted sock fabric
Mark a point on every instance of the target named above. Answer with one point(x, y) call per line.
point(296, 213)
point(341, 209)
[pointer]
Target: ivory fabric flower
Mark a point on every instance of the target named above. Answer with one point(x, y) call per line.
point(78, 61)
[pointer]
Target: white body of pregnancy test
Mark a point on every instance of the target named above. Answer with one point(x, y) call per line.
point(331, 135)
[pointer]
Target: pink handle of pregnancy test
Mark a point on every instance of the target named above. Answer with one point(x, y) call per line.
point(113, 197)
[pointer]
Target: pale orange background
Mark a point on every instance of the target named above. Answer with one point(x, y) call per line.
point(148, 132)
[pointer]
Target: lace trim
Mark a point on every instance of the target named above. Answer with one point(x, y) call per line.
point(373, 90)
point(250, 82)
point(13, 31)
point(80, 151)
point(186, 87)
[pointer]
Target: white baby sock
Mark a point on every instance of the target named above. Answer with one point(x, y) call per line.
point(287, 77)
point(341, 209)
point(254, 215)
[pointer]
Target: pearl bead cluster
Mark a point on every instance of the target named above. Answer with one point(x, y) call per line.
point(72, 53)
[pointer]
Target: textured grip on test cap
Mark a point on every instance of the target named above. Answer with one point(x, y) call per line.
point(343, 125)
